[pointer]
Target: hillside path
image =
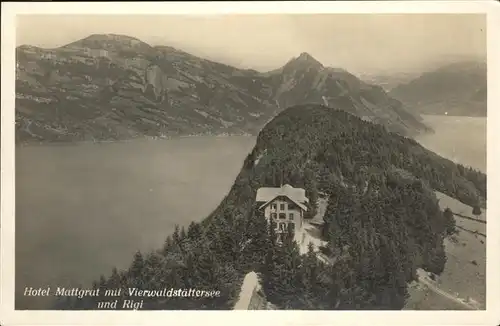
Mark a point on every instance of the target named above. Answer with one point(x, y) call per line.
point(424, 280)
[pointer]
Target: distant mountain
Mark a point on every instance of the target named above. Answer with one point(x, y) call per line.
point(454, 89)
point(389, 80)
point(108, 87)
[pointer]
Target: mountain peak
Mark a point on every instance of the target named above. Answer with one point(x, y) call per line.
point(306, 56)
point(110, 37)
point(105, 40)
point(305, 59)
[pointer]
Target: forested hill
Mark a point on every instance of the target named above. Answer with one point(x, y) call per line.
point(317, 137)
point(382, 222)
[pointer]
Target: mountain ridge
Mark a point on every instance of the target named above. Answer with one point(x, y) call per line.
point(458, 88)
point(110, 87)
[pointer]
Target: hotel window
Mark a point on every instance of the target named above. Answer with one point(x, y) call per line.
point(292, 225)
point(274, 216)
point(290, 216)
point(282, 227)
point(282, 216)
point(282, 207)
point(273, 206)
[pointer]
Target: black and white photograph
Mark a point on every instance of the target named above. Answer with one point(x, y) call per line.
point(251, 161)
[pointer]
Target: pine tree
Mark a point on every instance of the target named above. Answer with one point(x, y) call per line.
point(152, 270)
point(207, 269)
point(114, 281)
point(182, 234)
point(268, 270)
point(176, 235)
point(283, 282)
point(313, 289)
point(194, 231)
point(135, 272)
point(255, 243)
point(167, 245)
point(449, 221)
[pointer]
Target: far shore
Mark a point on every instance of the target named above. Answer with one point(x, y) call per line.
point(126, 140)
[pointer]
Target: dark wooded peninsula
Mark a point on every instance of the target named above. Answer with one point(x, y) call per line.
point(382, 221)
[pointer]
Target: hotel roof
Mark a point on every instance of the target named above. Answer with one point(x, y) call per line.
point(297, 195)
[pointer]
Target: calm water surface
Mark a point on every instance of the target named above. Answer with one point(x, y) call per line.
point(460, 139)
point(83, 208)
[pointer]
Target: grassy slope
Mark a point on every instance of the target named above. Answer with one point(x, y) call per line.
point(460, 277)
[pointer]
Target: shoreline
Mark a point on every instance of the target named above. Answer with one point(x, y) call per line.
point(126, 140)
point(454, 116)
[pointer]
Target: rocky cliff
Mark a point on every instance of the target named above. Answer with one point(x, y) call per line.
point(109, 87)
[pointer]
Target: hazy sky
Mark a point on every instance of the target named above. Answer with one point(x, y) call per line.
point(357, 42)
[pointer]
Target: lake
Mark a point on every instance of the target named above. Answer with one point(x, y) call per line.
point(460, 139)
point(83, 208)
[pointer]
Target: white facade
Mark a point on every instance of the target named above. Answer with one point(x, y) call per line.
point(283, 212)
point(284, 206)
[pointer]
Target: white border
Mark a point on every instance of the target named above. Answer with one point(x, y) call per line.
point(8, 316)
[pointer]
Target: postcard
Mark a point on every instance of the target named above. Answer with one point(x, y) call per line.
point(296, 163)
